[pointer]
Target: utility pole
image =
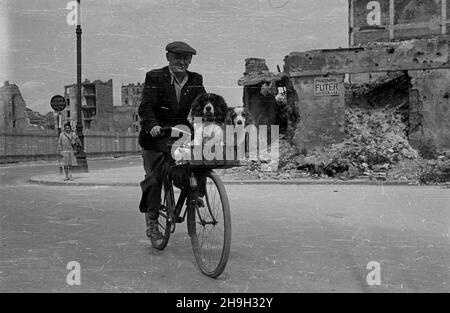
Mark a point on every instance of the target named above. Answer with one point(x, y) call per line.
point(81, 155)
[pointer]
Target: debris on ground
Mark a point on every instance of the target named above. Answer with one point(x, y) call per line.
point(375, 147)
point(376, 144)
point(436, 171)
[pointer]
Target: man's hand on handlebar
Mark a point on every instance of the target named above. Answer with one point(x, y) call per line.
point(155, 131)
point(159, 131)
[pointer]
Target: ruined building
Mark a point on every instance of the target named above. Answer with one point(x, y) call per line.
point(97, 105)
point(15, 115)
point(47, 121)
point(131, 94)
point(398, 57)
point(12, 107)
point(126, 118)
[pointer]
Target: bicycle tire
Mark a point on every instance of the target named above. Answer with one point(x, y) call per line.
point(164, 220)
point(202, 222)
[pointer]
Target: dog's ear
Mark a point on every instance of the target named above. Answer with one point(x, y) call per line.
point(221, 109)
point(248, 118)
point(197, 106)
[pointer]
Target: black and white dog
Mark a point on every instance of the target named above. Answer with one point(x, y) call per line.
point(207, 116)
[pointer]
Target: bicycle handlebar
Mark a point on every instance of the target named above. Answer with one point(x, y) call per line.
point(166, 131)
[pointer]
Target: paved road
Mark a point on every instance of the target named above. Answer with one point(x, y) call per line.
point(285, 239)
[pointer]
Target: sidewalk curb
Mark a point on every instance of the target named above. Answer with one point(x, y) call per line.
point(36, 180)
point(56, 163)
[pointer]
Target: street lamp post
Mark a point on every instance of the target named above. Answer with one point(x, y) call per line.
point(81, 155)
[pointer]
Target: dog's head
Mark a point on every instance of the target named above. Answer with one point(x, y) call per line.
point(210, 107)
point(238, 116)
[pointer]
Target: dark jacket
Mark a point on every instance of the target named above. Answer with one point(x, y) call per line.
point(159, 105)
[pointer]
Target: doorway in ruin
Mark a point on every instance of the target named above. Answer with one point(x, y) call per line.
point(394, 92)
point(273, 102)
point(390, 91)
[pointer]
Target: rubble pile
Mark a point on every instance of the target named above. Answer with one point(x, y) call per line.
point(260, 169)
point(436, 171)
point(375, 143)
point(375, 147)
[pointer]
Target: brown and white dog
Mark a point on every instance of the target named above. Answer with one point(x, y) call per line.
point(207, 116)
point(239, 117)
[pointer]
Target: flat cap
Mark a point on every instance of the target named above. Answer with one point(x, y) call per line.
point(180, 47)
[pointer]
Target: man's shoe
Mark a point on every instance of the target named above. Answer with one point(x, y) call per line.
point(153, 231)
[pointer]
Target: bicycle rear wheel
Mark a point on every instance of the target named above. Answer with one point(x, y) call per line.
point(210, 227)
point(164, 220)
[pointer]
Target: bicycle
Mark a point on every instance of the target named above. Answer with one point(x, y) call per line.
point(207, 212)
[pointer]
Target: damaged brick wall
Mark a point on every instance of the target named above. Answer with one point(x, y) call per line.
point(432, 53)
point(430, 108)
point(387, 20)
point(322, 117)
point(426, 61)
point(423, 65)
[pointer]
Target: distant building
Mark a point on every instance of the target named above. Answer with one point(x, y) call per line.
point(96, 105)
point(35, 118)
point(51, 120)
point(126, 119)
point(12, 107)
point(131, 94)
point(387, 20)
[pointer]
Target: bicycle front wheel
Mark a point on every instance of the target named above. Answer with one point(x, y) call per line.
point(210, 226)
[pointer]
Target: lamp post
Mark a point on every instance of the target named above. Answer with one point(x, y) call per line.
point(81, 155)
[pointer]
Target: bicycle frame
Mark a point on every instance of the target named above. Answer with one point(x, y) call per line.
point(176, 214)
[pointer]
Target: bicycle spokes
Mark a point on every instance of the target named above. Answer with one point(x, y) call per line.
point(212, 228)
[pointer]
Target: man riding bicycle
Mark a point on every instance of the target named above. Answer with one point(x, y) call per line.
point(166, 101)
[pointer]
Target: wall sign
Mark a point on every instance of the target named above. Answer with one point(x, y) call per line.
point(324, 87)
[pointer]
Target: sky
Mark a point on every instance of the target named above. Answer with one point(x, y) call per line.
point(123, 39)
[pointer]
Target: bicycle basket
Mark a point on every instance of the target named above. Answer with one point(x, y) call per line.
point(196, 156)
